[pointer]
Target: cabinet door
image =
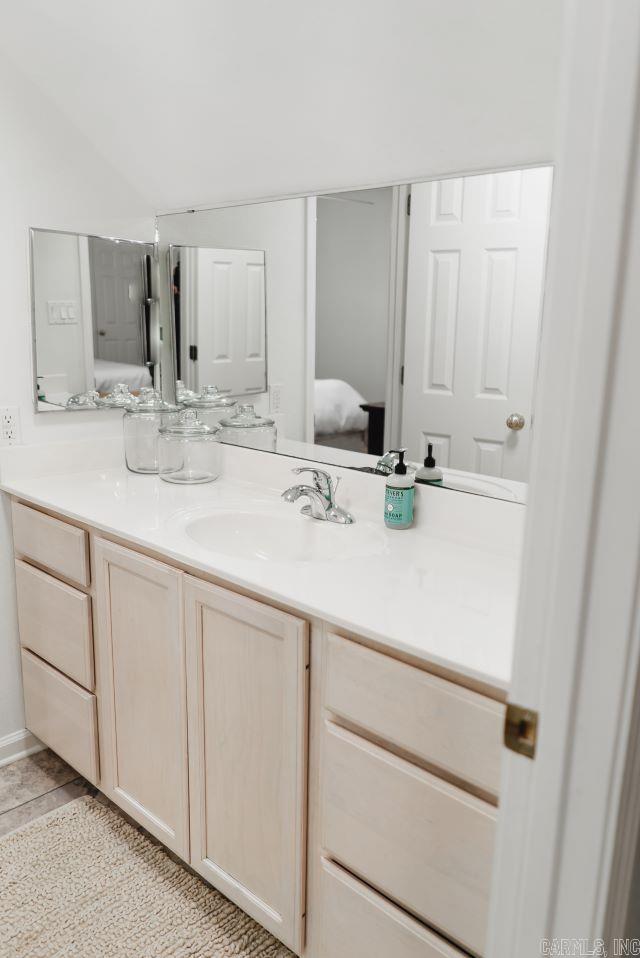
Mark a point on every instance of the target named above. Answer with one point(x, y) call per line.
point(142, 691)
point(247, 692)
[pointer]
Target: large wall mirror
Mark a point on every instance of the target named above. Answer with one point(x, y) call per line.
point(395, 317)
point(92, 323)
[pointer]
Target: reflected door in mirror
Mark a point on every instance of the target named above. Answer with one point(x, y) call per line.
point(117, 300)
point(222, 318)
point(474, 289)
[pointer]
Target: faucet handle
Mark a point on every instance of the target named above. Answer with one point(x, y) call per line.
point(387, 463)
point(321, 480)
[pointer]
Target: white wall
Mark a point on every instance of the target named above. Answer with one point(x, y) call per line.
point(280, 230)
point(263, 99)
point(50, 176)
point(353, 251)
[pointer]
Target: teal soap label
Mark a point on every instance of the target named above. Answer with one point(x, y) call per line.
point(398, 506)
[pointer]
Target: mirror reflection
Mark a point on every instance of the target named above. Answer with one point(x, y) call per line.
point(91, 317)
point(475, 267)
point(401, 317)
point(218, 300)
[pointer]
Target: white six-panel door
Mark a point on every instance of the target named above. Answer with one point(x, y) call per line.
point(474, 294)
point(116, 279)
point(223, 292)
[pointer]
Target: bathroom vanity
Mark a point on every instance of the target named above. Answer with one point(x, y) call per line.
point(319, 739)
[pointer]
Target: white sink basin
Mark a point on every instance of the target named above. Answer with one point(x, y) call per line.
point(285, 538)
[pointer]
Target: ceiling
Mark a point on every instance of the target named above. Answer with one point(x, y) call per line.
point(205, 101)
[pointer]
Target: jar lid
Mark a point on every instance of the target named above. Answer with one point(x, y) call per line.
point(210, 397)
point(188, 426)
point(150, 400)
point(246, 418)
point(119, 398)
point(182, 393)
point(88, 400)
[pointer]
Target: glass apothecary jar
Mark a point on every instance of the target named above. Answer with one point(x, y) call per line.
point(247, 428)
point(120, 397)
point(141, 423)
point(189, 451)
point(212, 405)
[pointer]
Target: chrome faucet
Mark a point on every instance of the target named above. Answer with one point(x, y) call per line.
point(321, 496)
point(387, 463)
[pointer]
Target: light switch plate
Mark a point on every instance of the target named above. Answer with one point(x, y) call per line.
point(275, 398)
point(9, 425)
point(63, 312)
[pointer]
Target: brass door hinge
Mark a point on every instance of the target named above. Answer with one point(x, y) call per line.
point(521, 729)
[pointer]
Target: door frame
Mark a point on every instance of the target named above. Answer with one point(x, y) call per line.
point(86, 305)
point(311, 216)
point(567, 815)
point(397, 318)
point(399, 227)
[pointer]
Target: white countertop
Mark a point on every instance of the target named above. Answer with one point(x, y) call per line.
point(437, 592)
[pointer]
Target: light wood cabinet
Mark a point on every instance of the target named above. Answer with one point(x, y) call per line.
point(55, 622)
point(359, 923)
point(61, 714)
point(55, 545)
point(142, 691)
point(247, 688)
point(424, 843)
point(451, 728)
point(198, 729)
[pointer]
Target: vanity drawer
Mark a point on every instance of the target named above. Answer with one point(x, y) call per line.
point(358, 923)
point(422, 842)
point(56, 545)
point(444, 724)
point(61, 714)
point(55, 622)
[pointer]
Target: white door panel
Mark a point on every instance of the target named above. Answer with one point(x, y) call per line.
point(224, 293)
point(474, 289)
point(116, 282)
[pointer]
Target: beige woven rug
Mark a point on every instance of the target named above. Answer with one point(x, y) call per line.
point(81, 882)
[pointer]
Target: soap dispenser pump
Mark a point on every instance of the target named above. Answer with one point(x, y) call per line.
point(429, 472)
point(399, 494)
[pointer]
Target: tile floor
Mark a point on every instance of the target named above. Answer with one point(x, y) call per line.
point(35, 785)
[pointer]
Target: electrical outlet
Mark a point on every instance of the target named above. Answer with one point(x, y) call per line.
point(9, 425)
point(275, 398)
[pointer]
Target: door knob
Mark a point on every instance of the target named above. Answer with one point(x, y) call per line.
point(515, 421)
point(102, 332)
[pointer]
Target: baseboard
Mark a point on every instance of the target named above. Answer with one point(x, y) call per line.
point(18, 745)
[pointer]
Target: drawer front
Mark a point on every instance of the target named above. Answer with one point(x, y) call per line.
point(56, 545)
point(439, 722)
point(61, 714)
point(55, 623)
point(420, 841)
point(358, 923)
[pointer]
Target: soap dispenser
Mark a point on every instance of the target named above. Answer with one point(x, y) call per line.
point(399, 493)
point(429, 472)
